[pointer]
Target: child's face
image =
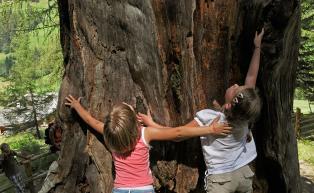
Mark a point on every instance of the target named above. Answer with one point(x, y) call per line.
point(232, 91)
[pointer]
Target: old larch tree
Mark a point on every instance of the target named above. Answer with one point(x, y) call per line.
point(174, 58)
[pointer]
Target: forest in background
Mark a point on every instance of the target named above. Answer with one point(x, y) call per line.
point(30, 59)
point(30, 52)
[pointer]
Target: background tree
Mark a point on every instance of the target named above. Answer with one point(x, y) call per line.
point(174, 58)
point(32, 64)
point(305, 78)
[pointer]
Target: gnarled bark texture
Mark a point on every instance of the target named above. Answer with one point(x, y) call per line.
point(174, 58)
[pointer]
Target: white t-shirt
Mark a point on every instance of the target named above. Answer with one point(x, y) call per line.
point(225, 154)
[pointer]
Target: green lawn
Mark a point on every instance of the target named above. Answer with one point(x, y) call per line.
point(303, 105)
point(41, 4)
point(306, 149)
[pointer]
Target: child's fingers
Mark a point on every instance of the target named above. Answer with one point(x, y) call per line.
point(68, 99)
point(227, 130)
point(262, 32)
point(139, 117)
point(148, 113)
point(74, 99)
point(71, 97)
point(216, 119)
point(67, 104)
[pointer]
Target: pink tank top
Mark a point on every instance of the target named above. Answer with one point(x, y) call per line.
point(133, 170)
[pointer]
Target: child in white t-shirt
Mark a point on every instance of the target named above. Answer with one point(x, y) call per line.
point(227, 158)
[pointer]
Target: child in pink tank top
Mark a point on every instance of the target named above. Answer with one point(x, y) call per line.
point(129, 142)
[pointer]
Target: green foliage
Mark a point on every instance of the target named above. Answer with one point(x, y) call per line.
point(36, 68)
point(35, 52)
point(306, 149)
point(25, 141)
point(305, 77)
point(299, 94)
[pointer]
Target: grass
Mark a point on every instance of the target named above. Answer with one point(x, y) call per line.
point(306, 149)
point(25, 141)
point(41, 4)
point(303, 105)
point(3, 84)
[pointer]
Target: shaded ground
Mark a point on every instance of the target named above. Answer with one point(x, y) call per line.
point(307, 176)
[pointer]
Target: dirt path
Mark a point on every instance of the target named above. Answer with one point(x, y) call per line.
point(307, 177)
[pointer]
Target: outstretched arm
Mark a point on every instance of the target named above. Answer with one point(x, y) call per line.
point(85, 115)
point(183, 132)
point(252, 73)
point(192, 129)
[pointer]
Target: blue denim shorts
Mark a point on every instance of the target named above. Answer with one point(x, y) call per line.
point(116, 190)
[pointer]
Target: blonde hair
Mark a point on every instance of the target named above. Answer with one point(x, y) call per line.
point(121, 129)
point(246, 107)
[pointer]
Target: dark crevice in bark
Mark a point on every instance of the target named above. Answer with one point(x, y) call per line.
point(65, 35)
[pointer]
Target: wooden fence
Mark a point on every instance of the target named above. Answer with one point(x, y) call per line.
point(29, 173)
point(304, 125)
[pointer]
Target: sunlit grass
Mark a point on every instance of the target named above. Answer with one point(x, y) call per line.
point(3, 83)
point(306, 149)
point(303, 105)
point(41, 4)
point(24, 141)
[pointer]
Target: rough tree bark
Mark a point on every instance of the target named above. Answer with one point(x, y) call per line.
point(174, 58)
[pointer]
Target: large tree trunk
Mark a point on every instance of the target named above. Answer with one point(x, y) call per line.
point(174, 58)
